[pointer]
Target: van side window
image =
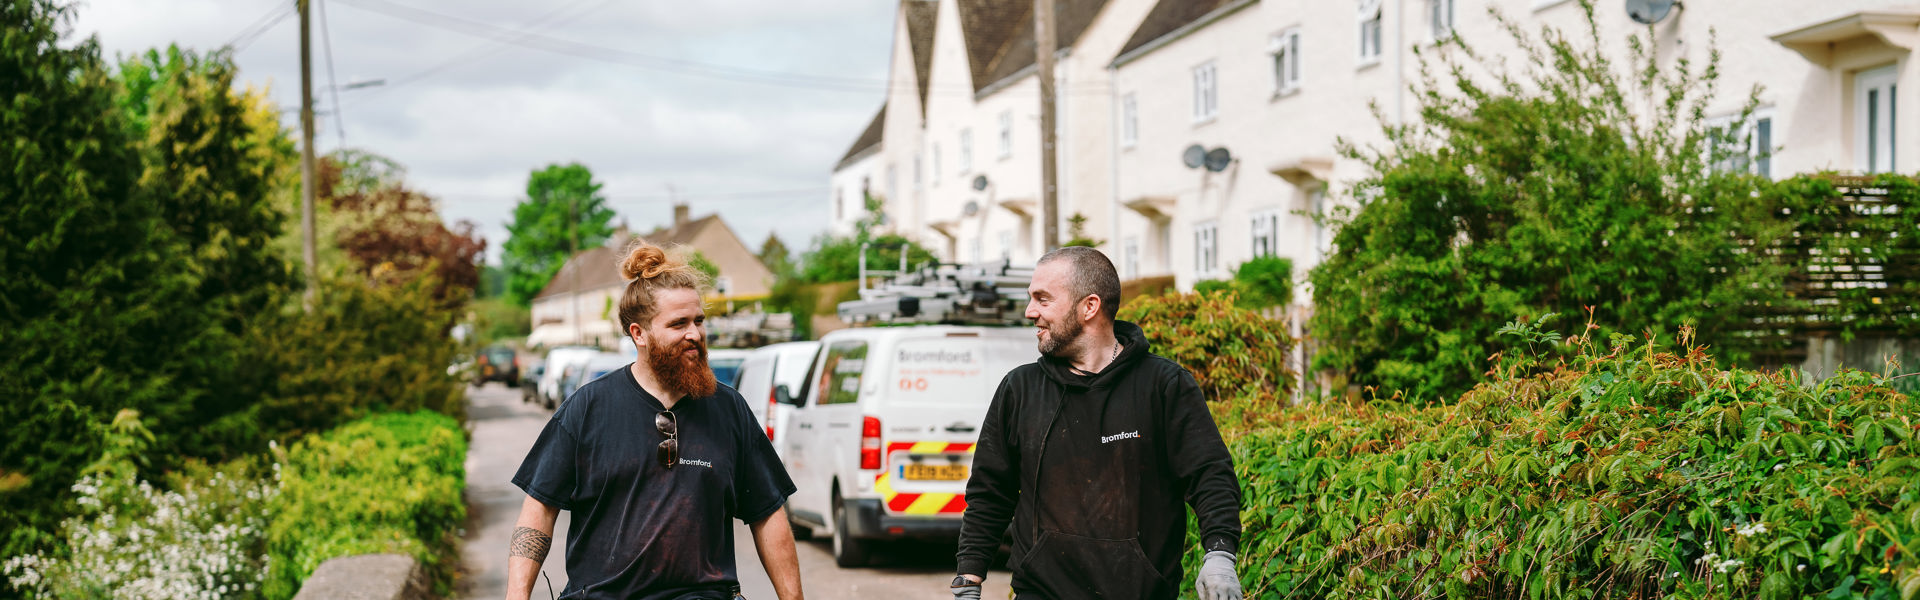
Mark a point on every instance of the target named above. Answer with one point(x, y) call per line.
point(839, 380)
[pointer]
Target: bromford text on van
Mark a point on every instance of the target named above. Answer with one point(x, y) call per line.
point(882, 441)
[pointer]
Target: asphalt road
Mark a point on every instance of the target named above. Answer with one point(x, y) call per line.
point(503, 430)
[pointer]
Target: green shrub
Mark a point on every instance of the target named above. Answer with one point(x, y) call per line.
point(387, 484)
point(201, 535)
point(1265, 281)
point(1562, 181)
point(1634, 474)
point(1232, 352)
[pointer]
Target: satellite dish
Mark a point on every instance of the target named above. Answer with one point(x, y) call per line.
point(972, 208)
point(1648, 12)
point(1218, 159)
point(979, 183)
point(1194, 156)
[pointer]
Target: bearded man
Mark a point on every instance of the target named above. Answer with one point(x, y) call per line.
point(1093, 454)
point(654, 460)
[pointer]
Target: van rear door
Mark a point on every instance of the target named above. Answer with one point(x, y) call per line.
point(937, 391)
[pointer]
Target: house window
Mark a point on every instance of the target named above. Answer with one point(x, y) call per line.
point(1206, 93)
point(1874, 92)
point(1129, 121)
point(1130, 258)
point(1369, 32)
point(1006, 134)
point(966, 150)
point(1322, 239)
point(1206, 249)
point(1440, 18)
point(1266, 229)
point(936, 165)
point(722, 285)
point(1006, 244)
point(1743, 149)
point(1285, 49)
point(973, 250)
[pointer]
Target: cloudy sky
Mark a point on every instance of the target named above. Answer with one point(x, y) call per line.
point(742, 106)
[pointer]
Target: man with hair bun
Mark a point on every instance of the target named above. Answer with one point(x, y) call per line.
point(1093, 454)
point(655, 461)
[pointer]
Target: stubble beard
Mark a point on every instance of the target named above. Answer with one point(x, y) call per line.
point(679, 372)
point(1061, 337)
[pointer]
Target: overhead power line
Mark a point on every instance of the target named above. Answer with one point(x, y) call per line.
point(555, 45)
point(260, 26)
point(333, 84)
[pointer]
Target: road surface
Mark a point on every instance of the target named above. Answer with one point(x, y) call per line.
point(503, 430)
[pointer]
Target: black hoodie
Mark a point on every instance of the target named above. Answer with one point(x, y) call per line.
point(1095, 473)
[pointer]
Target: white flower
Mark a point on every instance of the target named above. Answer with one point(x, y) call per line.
point(1751, 529)
point(1710, 557)
point(1779, 466)
point(1729, 565)
point(1802, 567)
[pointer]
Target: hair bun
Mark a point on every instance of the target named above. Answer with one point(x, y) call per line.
point(644, 261)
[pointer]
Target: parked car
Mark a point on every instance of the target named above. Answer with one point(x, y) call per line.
point(530, 382)
point(775, 373)
point(497, 363)
point(592, 367)
point(882, 442)
point(557, 362)
point(725, 363)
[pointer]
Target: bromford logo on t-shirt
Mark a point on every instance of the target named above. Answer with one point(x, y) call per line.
point(1125, 435)
point(697, 463)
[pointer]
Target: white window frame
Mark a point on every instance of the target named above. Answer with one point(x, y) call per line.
point(1372, 28)
point(1006, 134)
point(1876, 148)
point(966, 151)
point(1206, 249)
point(1284, 50)
point(975, 252)
point(1130, 258)
point(1206, 92)
point(936, 164)
point(1752, 144)
point(1129, 120)
point(1006, 244)
point(1265, 233)
point(1440, 19)
point(917, 178)
point(893, 179)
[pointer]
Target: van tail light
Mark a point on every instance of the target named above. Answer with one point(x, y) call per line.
point(870, 443)
point(771, 406)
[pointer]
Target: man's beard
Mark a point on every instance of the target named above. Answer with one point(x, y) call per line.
point(677, 371)
point(1061, 337)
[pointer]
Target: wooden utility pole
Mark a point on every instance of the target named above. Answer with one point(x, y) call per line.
point(307, 191)
point(1044, 45)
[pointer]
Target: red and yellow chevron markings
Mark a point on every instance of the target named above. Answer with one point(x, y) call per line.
point(921, 504)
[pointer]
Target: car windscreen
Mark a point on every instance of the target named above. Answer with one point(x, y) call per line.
point(726, 369)
point(951, 370)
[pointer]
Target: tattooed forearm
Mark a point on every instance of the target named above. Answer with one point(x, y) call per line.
point(531, 543)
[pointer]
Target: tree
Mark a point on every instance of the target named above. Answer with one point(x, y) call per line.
point(1077, 233)
point(1567, 185)
point(564, 211)
point(775, 255)
point(837, 258)
point(139, 223)
point(395, 233)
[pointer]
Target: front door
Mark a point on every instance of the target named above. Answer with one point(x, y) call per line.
point(1874, 91)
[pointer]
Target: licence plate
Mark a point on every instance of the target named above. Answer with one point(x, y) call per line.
point(935, 472)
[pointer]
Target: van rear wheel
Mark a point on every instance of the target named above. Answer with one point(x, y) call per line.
point(848, 551)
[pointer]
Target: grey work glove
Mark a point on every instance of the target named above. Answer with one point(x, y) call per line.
point(1217, 581)
point(964, 589)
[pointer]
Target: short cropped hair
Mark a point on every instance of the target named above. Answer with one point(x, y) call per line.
point(1093, 275)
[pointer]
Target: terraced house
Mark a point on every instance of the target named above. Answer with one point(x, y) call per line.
point(1197, 134)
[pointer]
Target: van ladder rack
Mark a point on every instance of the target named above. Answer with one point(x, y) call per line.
point(991, 293)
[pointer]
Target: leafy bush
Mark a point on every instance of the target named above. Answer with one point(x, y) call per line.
point(1563, 182)
point(365, 349)
point(390, 483)
point(1265, 281)
point(202, 536)
point(1232, 352)
point(1637, 473)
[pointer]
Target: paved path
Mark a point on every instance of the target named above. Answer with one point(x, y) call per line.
point(503, 430)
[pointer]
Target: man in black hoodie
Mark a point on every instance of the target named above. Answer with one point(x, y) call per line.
point(1093, 454)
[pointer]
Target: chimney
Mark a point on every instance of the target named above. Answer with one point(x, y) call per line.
point(620, 235)
point(679, 215)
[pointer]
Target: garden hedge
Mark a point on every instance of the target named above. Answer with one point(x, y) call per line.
point(1640, 473)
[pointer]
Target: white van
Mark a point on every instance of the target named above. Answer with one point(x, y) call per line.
point(775, 372)
point(558, 360)
point(882, 441)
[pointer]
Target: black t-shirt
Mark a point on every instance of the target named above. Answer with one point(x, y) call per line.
point(641, 531)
